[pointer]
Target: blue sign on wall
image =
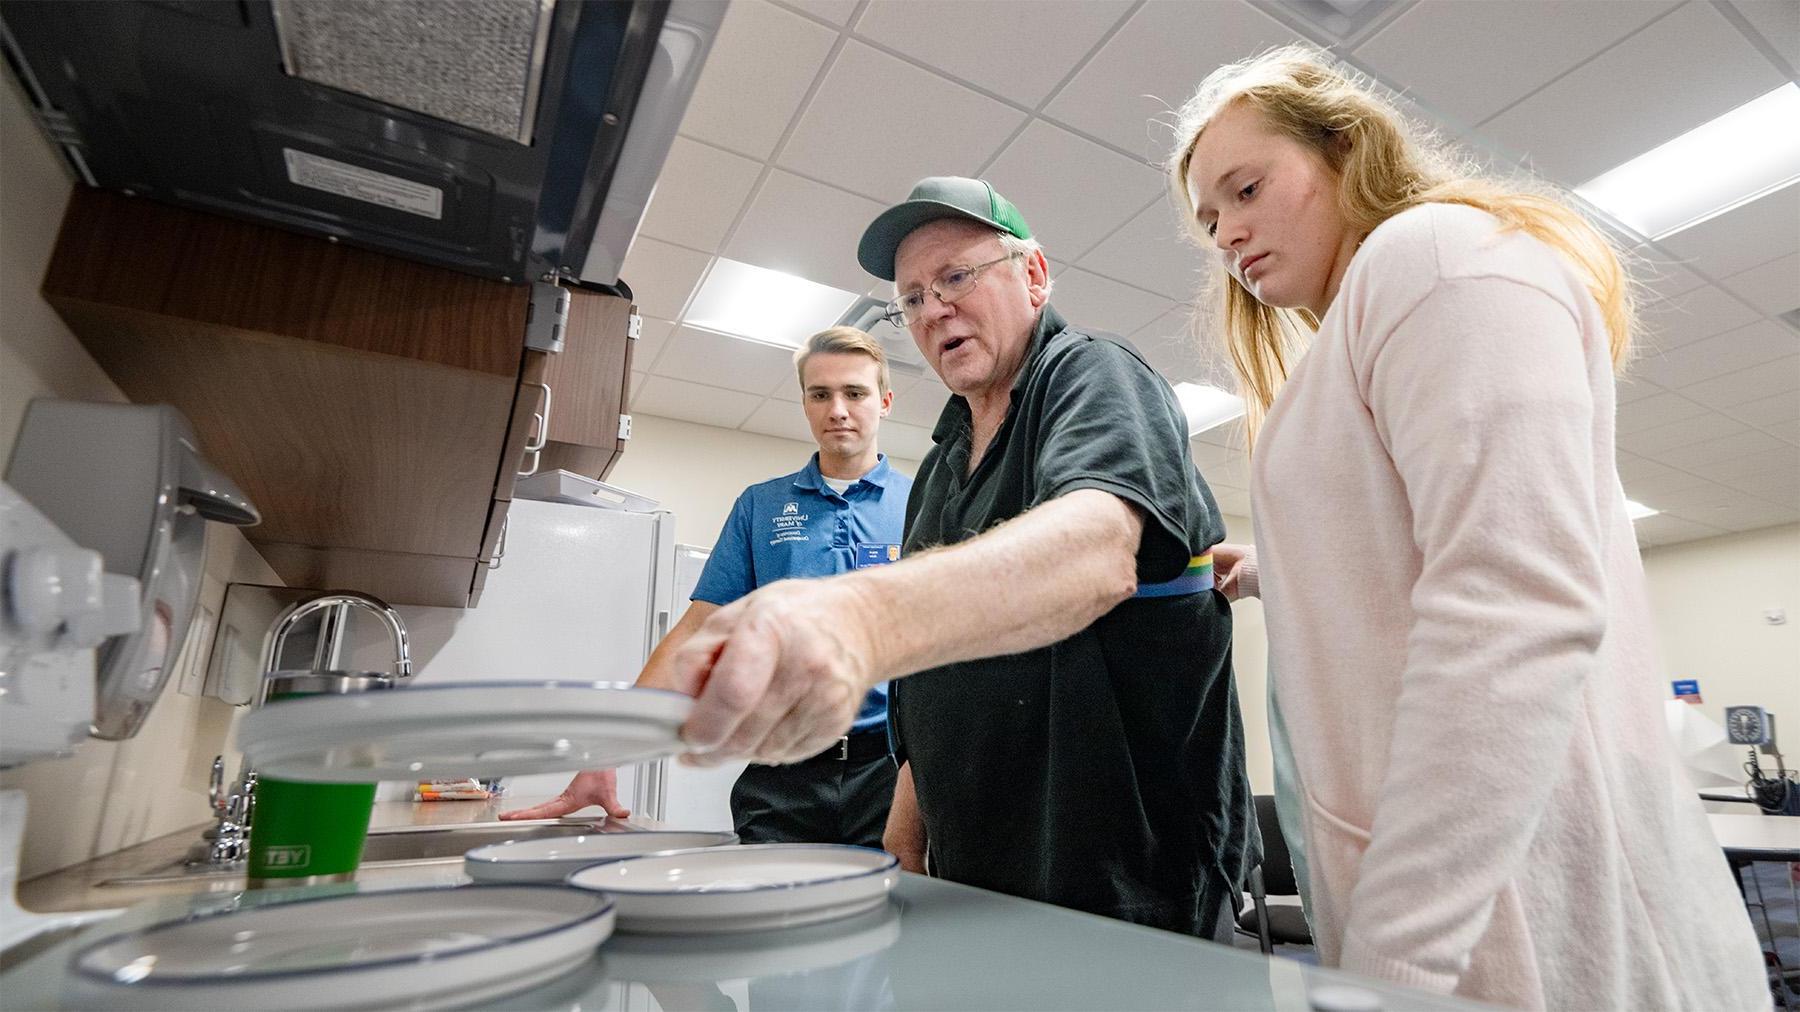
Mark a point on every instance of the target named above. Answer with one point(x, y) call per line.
point(1687, 687)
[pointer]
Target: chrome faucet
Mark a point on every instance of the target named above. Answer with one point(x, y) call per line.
point(233, 809)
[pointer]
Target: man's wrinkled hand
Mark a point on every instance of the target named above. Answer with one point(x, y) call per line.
point(593, 787)
point(778, 675)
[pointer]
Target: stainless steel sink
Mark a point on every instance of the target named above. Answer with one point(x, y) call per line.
point(399, 847)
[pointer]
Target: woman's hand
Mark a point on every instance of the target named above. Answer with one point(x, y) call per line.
point(1235, 567)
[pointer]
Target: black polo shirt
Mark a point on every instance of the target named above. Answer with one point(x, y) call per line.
point(1104, 772)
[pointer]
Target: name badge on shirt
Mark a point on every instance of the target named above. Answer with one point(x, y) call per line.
point(876, 555)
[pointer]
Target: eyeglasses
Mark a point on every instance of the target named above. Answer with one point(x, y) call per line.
point(951, 285)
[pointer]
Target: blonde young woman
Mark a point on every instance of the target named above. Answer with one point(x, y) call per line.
point(1466, 714)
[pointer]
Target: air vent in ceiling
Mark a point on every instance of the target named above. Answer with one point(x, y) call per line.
point(1338, 20)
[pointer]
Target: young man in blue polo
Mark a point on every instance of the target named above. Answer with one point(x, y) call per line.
point(846, 509)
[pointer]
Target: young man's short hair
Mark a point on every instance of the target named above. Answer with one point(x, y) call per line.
point(843, 340)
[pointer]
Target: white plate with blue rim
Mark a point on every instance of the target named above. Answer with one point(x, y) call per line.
point(471, 729)
point(556, 858)
point(406, 948)
point(746, 888)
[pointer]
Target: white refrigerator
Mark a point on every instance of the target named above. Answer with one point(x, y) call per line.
point(581, 593)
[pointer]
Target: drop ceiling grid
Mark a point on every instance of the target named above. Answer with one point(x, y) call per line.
point(1730, 269)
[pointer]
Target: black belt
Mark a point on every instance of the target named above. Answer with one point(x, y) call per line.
point(856, 748)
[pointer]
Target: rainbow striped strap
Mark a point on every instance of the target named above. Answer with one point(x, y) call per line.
point(1197, 579)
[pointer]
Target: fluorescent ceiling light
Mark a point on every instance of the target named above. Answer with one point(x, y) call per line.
point(1207, 407)
point(773, 307)
point(1638, 511)
point(1749, 152)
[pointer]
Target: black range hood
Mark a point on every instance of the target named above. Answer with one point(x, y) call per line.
point(514, 139)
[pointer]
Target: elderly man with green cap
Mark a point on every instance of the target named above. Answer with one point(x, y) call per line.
point(1068, 723)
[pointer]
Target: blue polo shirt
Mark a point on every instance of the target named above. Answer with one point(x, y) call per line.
point(798, 526)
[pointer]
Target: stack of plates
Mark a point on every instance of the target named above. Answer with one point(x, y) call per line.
point(750, 888)
point(409, 948)
point(475, 729)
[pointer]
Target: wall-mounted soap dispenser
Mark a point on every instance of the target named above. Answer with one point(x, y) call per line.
point(128, 481)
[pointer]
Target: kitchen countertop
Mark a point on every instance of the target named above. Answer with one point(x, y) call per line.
point(80, 887)
point(934, 945)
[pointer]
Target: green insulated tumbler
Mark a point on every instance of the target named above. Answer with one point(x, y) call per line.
point(302, 833)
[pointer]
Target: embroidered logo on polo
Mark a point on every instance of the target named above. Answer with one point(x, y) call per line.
point(790, 525)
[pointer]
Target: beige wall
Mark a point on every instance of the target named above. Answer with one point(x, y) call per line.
point(110, 794)
point(1709, 597)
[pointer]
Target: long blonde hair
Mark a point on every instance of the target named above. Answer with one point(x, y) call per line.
point(1384, 167)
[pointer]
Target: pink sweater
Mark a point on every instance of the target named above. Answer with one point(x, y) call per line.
point(1460, 646)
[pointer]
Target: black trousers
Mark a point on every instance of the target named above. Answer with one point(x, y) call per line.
point(821, 800)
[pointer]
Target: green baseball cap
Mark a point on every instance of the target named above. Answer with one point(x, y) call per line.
point(933, 198)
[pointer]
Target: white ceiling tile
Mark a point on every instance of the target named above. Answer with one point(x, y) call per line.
point(1743, 237)
point(1673, 76)
point(1661, 277)
point(1152, 252)
point(1770, 456)
point(805, 228)
point(1153, 64)
point(901, 440)
point(1667, 530)
point(751, 119)
point(1470, 60)
point(1634, 386)
point(1650, 491)
point(1705, 457)
point(1235, 472)
point(921, 403)
point(1777, 21)
point(1073, 192)
point(698, 195)
point(1747, 385)
point(1781, 489)
point(1238, 505)
point(1774, 287)
point(1788, 430)
point(662, 276)
point(1667, 324)
point(1657, 443)
point(781, 419)
point(1633, 468)
point(879, 124)
point(835, 11)
point(1659, 409)
point(1753, 514)
point(1207, 455)
point(701, 356)
point(1230, 435)
point(1766, 411)
point(1681, 368)
point(691, 402)
point(1089, 300)
point(1695, 502)
point(1176, 356)
point(1043, 39)
point(652, 338)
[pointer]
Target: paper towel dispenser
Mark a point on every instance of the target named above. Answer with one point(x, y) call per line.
point(128, 481)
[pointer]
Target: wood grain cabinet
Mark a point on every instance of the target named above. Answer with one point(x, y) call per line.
point(377, 410)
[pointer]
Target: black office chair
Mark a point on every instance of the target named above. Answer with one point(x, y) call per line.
point(1274, 877)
